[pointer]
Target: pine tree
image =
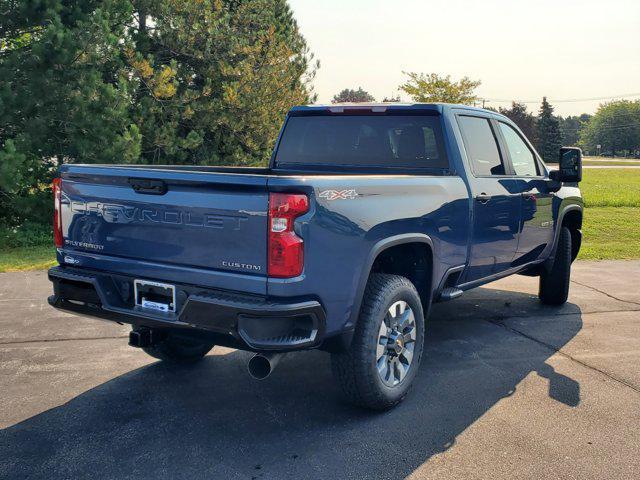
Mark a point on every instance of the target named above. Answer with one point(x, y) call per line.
point(522, 118)
point(141, 81)
point(548, 133)
point(216, 78)
point(64, 96)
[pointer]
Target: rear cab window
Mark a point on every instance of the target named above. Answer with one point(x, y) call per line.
point(481, 145)
point(363, 141)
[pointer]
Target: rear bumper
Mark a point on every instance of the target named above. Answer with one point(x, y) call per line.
point(240, 321)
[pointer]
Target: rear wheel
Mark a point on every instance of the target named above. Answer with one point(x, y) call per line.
point(177, 349)
point(554, 284)
point(381, 363)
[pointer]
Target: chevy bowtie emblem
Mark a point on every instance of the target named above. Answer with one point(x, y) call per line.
point(338, 194)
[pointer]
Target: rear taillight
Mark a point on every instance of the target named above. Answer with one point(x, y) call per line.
point(57, 216)
point(286, 249)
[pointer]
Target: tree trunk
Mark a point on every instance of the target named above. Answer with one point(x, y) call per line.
point(142, 21)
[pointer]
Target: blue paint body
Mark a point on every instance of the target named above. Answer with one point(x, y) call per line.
point(210, 228)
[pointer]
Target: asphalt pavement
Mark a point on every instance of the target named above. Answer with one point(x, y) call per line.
point(508, 388)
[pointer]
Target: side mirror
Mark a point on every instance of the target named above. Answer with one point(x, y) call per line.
point(570, 166)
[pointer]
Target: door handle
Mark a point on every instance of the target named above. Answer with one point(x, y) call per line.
point(483, 198)
point(529, 196)
point(148, 186)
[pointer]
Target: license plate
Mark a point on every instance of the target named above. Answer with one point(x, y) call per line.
point(160, 297)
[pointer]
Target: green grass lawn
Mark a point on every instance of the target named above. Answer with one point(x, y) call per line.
point(610, 233)
point(610, 163)
point(590, 158)
point(611, 187)
point(611, 223)
point(27, 258)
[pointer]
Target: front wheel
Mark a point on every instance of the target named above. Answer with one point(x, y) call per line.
point(554, 284)
point(381, 363)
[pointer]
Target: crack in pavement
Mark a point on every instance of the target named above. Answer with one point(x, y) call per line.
point(499, 318)
point(605, 293)
point(554, 349)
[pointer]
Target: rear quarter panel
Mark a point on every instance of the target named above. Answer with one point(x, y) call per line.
point(340, 233)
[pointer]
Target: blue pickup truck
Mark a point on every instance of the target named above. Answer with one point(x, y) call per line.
point(366, 215)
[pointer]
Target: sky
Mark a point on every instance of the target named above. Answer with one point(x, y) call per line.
point(521, 50)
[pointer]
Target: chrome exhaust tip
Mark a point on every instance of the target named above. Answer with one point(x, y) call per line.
point(261, 365)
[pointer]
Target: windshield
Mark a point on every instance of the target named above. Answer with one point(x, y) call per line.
point(413, 141)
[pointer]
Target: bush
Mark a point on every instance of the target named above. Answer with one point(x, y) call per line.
point(27, 235)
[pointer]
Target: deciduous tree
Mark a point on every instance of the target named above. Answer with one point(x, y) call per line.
point(615, 126)
point(353, 96)
point(432, 88)
point(570, 128)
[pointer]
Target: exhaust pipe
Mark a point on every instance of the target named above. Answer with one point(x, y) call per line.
point(261, 365)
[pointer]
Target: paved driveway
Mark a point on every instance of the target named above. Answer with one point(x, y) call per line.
point(507, 389)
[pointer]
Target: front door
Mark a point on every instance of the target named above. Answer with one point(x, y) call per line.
point(537, 200)
point(496, 201)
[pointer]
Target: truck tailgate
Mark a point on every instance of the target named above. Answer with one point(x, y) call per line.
point(190, 219)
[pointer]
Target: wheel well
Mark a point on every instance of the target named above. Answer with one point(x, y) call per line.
point(573, 221)
point(411, 260)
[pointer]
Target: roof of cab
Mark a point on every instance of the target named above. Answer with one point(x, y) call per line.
point(381, 107)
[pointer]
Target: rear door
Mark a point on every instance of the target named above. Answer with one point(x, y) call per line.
point(496, 200)
point(173, 220)
point(537, 200)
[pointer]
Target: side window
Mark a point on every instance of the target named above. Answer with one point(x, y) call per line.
point(524, 162)
point(481, 146)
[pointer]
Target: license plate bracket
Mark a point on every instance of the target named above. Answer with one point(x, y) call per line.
point(160, 297)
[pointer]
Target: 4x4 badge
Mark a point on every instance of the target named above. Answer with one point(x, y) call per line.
point(338, 194)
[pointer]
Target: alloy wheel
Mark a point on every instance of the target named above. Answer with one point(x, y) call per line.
point(396, 343)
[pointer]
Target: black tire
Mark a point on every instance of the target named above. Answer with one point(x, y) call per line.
point(554, 284)
point(356, 369)
point(176, 349)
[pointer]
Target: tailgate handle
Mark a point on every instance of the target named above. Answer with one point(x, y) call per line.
point(148, 186)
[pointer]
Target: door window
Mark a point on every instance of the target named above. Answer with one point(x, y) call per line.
point(522, 158)
point(481, 146)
